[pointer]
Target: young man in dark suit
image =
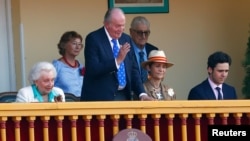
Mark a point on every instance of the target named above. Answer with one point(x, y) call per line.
point(214, 88)
point(111, 69)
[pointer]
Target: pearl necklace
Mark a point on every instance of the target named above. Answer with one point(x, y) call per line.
point(66, 61)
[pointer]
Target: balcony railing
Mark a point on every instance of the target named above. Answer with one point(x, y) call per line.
point(100, 121)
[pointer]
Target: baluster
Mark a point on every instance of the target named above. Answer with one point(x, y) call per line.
point(197, 127)
point(17, 128)
point(143, 122)
point(3, 128)
point(115, 119)
point(31, 120)
point(237, 117)
point(184, 126)
point(129, 120)
point(101, 126)
point(224, 117)
point(156, 118)
point(45, 120)
point(170, 127)
point(59, 127)
point(248, 116)
point(210, 117)
point(87, 119)
point(73, 127)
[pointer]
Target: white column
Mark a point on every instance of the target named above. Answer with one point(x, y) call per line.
point(7, 67)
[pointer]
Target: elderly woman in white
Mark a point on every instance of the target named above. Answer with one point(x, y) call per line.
point(156, 65)
point(41, 78)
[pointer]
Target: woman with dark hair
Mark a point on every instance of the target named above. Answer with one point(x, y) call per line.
point(69, 70)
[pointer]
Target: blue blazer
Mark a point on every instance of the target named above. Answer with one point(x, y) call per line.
point(100, 80)
point(203, 91)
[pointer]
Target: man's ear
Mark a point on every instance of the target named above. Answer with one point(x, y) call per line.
point(209, 70)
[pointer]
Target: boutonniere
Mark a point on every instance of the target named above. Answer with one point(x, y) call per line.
point(170, 91)
point(82, 72)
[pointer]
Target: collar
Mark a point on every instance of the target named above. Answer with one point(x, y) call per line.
point(109, 37)
point(137, 49)
point(213, 85)
point(38, 95)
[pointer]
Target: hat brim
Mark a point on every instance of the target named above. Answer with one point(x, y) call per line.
point(144, 64)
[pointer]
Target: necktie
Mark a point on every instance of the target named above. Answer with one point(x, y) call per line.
point(144, 74)
point(121, 71)
point(219, 93)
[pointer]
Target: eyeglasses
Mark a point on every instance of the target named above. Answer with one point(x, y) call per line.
point(77, 44)
point(140, 33)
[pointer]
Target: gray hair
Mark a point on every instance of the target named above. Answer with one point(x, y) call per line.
point(108, 14)
point(38, 68)
point(139, 20)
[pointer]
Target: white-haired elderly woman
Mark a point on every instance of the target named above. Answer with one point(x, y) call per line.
point(156, 65)
point(41, 78)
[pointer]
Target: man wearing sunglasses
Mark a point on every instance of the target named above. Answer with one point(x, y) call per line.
point(139, 32)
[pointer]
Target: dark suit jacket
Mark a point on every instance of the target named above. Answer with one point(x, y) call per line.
point(203, 91)
point(149, 47)
point(100, 80)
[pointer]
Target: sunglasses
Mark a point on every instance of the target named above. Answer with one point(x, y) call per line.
point(140, 33)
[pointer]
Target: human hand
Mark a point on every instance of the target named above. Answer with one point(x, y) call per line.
point(146, 98)
point(124, 49)
point(58, 98)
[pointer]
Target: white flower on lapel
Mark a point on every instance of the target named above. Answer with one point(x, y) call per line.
point(170, 91)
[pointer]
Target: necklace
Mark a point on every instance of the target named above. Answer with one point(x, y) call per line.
point(66, 61)
point(154, 85)
point(157, 91)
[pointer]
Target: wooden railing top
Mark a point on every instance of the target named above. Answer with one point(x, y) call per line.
point(124, 107)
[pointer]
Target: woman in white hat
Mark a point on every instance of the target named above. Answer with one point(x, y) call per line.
point(156, 66)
